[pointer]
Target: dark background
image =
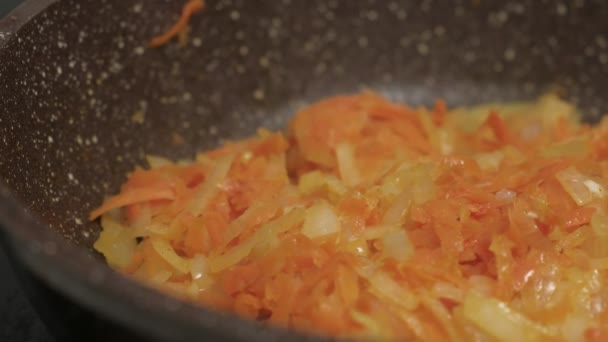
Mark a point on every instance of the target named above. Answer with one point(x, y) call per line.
point(18, 321)
point(7, 5)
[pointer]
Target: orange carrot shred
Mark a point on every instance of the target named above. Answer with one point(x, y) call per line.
point(191, 7)
point(439, 112)
point(132, 197)
point(498, 126)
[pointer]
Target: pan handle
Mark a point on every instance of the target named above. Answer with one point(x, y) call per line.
point(19, 16)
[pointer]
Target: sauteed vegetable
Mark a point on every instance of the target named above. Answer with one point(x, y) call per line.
point(373, 219)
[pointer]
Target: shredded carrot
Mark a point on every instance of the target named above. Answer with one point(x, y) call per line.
point(500, 129)
point(131, 197)
point(191, 7)
point(374, 220)
point(439, 112)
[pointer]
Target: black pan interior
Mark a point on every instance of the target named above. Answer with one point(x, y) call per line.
point(74, 77)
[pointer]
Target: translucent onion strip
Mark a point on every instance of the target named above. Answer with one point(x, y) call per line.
point(211, 186)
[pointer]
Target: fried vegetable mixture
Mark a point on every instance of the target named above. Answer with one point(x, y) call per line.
point(370, 219)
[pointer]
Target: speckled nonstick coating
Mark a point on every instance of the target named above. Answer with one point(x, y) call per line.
point(73, 76)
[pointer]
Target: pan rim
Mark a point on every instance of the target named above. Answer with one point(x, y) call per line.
point(19, 16)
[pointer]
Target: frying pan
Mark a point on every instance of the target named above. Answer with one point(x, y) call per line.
point(73, 74)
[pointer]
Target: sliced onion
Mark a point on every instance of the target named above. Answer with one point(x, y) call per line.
point(201, 277)
point(482, 284)
point(115, 242)
point(334, 186)
point(574, 183)
point(256, 214)
point(552, 109)
point(395, 182)
point(163, 230)
point(166, 251)
point(311, 182)
point(347, 165)
point(144, 218)
point(358, 247)
point(232, 257)
point(397, 244)
point(574, 326)
point(160, 277)
point(445, 141)
point(442, 314)
point(198, 267)
point(372, 328)
point(505, 195)
point(489, 161)
point(383, 286)
point(316, 181)
point(321, 220)
point(268, 232)
point(398, 209)
point(376, 232)
point(497, 319)
point(599, 223)
point(418, 178)
point(448, 291)
point(211, 186)
point(595, 188)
